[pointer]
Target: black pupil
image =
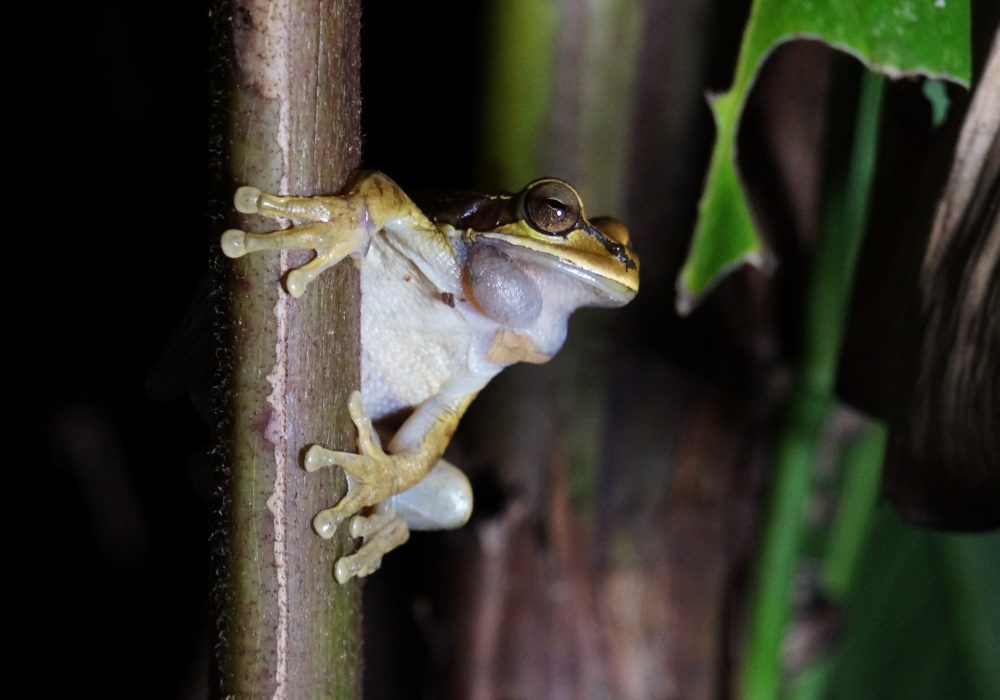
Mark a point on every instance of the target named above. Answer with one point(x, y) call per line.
point(557, 207)
point(551, 208)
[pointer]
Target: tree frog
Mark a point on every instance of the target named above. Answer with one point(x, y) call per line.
point(449, 297)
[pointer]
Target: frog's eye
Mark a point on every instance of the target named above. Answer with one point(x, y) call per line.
point(552, 207)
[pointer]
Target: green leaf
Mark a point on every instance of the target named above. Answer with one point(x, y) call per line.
point(895, 37)
point(922, 617)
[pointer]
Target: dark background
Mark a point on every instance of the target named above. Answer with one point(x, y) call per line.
point(122, 166)
point(128, 146)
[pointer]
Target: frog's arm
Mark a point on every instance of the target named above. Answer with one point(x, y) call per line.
point(334, 227)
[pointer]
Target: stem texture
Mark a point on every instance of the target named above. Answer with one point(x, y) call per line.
point(288, 630)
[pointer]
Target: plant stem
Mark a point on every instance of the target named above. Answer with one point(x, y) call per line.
point(287, 628)
point(861, 467)
point(826, 308)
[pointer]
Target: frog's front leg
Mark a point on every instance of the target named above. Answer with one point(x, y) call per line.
point(334, 227)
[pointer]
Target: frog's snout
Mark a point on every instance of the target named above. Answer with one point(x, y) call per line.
point(612, 228)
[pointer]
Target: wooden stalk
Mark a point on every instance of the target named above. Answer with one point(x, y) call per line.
point(287, 629)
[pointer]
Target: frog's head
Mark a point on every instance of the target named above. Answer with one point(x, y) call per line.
point(548, 219)
point(546, 223)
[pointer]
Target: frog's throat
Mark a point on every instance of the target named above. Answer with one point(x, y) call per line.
point(616, 287)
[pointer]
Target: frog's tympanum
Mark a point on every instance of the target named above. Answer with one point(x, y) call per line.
point(449, 297)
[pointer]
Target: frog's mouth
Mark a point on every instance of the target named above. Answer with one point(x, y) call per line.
point(612, 282)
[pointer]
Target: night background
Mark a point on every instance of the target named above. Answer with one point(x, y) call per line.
point(132, 154)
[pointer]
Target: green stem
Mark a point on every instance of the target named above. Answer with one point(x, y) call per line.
point(829, 293)
point(517, 98)
point(861, 467)
point(862, 479)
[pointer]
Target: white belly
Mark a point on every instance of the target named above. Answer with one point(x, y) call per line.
point(412, 340)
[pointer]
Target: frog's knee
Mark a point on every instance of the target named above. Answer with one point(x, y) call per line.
point(441, 501)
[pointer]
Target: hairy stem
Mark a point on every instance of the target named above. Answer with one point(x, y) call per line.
point(287, 628)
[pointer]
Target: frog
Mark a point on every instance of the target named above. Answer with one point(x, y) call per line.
point(451, 294)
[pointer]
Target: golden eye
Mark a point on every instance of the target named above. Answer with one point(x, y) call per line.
point(551, 207)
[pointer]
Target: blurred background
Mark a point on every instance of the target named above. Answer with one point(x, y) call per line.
point(623, 490)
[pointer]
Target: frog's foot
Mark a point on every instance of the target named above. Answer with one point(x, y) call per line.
point(371, 475)
point(382, 532)
point(334, 227)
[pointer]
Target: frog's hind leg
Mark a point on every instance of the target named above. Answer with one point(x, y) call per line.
point(440, 501)
point(382, 532)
